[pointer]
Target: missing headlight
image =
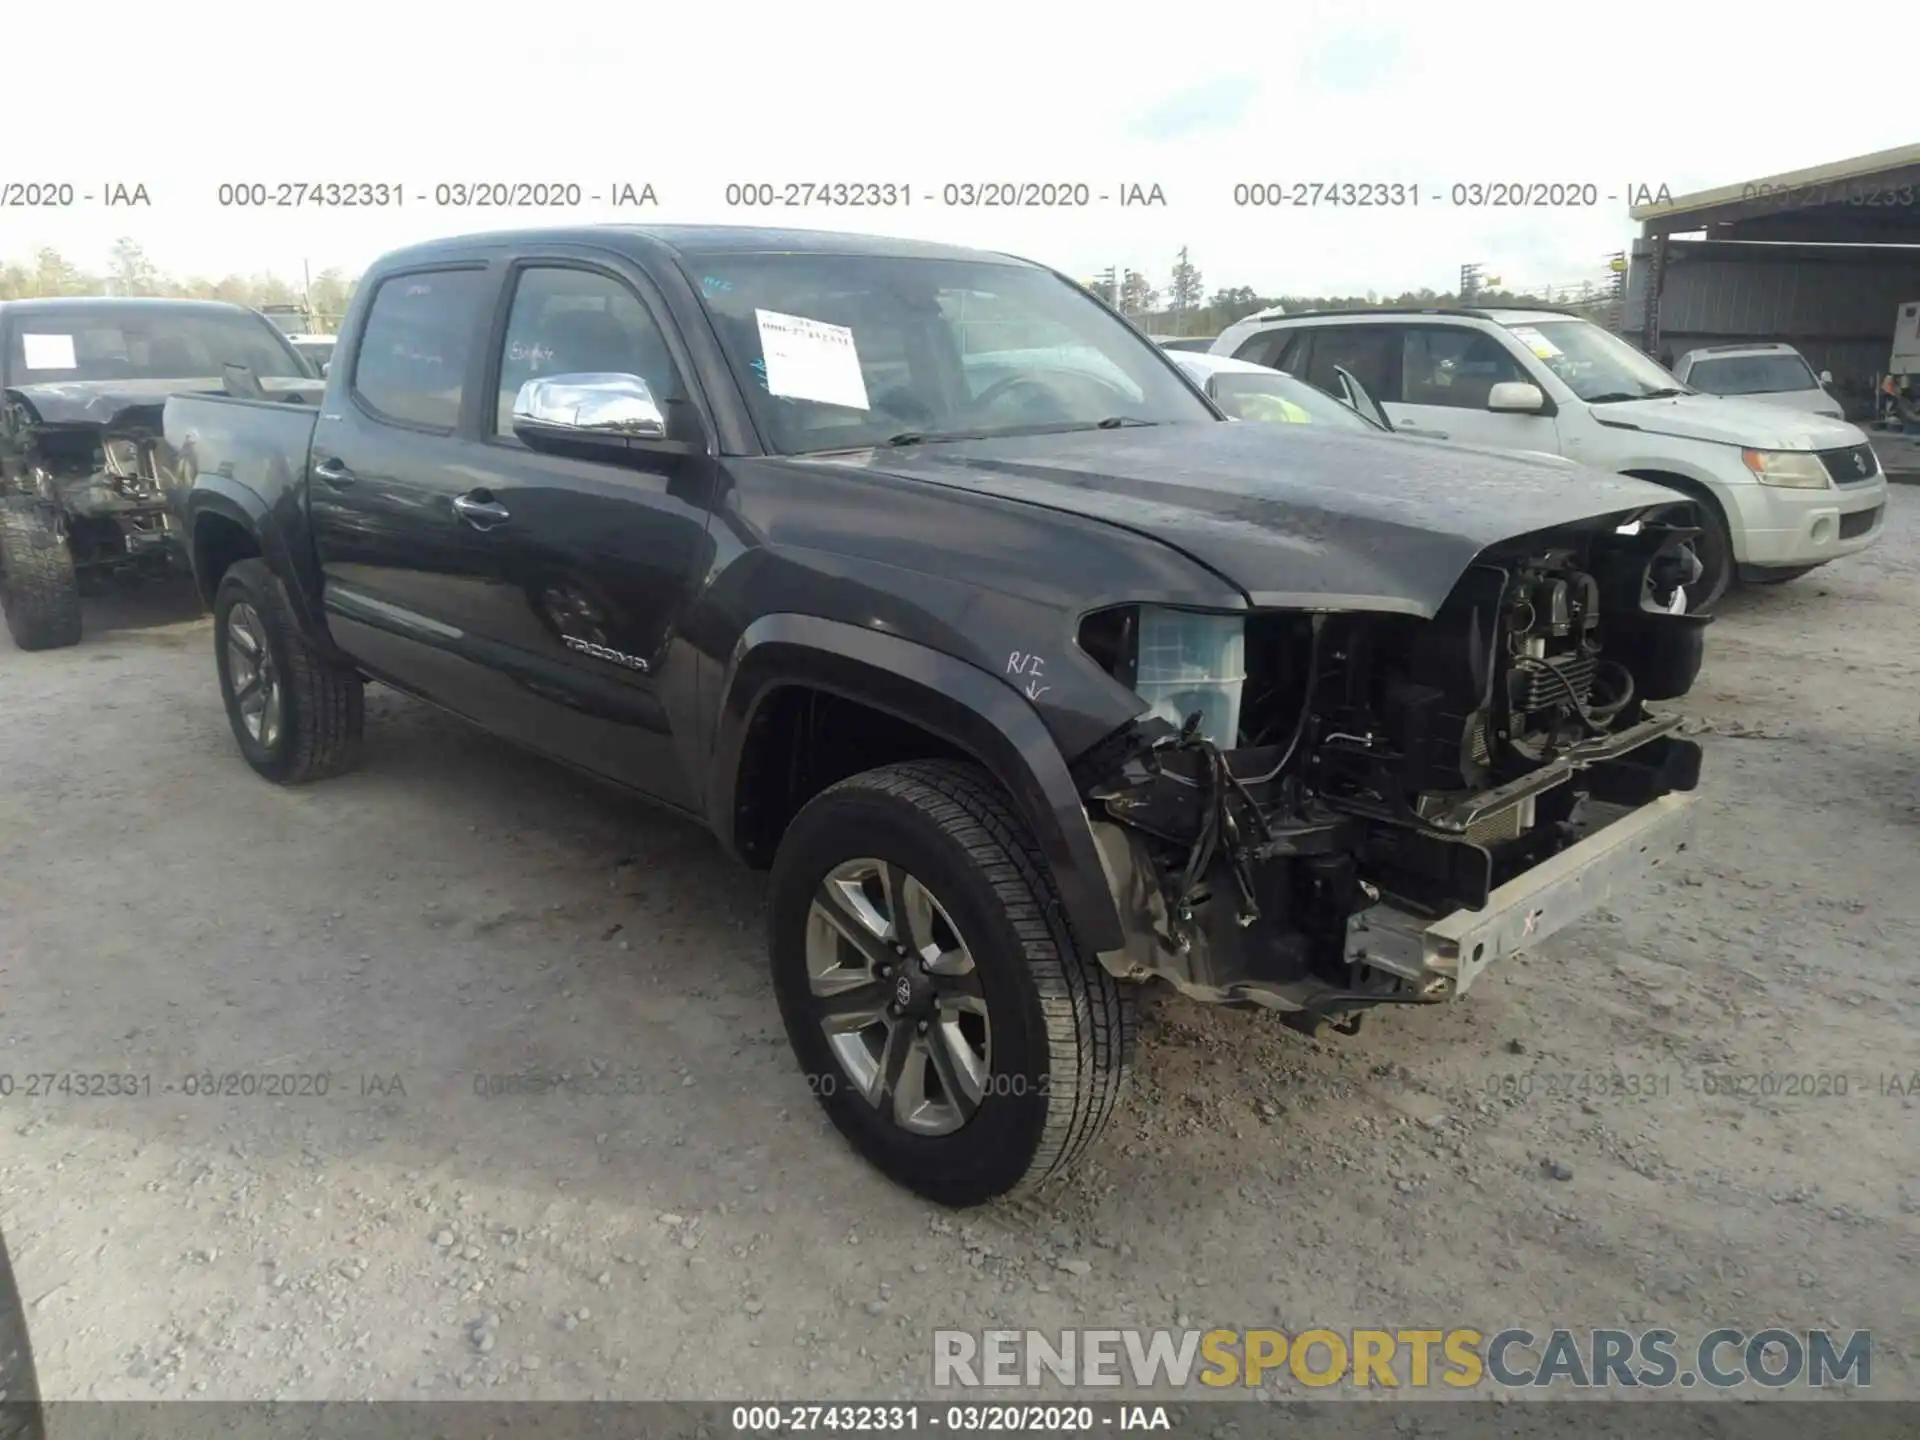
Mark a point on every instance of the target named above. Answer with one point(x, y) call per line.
point(1182, 663)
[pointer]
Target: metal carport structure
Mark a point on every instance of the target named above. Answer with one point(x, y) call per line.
point(1821, 258)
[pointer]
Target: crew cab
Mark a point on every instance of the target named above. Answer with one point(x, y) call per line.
point(924, 581)
point(1779, 493)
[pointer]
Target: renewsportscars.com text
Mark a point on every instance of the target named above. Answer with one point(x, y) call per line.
point(1416, 1359)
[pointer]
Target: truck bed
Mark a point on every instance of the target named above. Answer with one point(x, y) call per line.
point(259, 444)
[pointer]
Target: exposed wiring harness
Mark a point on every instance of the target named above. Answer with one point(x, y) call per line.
point(1231, 817)
point(1233, 820)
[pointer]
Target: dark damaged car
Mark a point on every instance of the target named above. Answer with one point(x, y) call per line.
point(923, 580)
point(83, 382)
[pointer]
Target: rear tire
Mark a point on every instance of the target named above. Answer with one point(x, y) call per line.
point(38, 587)
point(296, 714)
point(1015, 1045)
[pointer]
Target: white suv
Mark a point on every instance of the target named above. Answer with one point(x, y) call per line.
point(1784, 491)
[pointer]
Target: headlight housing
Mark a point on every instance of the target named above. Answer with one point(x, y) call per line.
point(1788, 469)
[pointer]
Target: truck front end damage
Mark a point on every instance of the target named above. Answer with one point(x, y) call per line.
point(1406, 799)
point(97, 476)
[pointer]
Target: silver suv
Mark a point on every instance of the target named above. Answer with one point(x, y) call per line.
point(1773, 374)
point(1783, 490)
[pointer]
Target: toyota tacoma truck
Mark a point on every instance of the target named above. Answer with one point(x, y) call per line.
point(82, 384)
point(925, 582)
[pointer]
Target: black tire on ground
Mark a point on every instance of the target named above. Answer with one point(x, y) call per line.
point(1061, 1044)
point(1715, 549)
point(20, 1412)
point(1781, 576)
point(38, 588)
point(320, 706)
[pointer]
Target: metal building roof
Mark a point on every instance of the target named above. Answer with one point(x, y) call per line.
point(1867, 199)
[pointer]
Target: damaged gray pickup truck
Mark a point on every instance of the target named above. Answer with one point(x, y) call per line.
point(920, 578)
point(83, 382)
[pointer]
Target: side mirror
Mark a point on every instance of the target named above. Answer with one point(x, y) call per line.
point(1516, 397)
point(603, 411)
point(1826, 377)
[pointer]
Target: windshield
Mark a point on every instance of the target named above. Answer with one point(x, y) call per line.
point(1277, 397)
point(137, 343)
point(1594, 364)
point(1752, 375)
point(840, 352)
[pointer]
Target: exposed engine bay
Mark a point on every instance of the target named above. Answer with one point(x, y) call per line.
point(1407, 798)
point(101, 479)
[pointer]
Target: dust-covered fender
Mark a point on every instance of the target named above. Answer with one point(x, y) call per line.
point(968, 707)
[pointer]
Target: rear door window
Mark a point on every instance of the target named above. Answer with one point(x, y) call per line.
point(1296, 354)
point(411, 364)
point(1370, 352)
point(1265, 347)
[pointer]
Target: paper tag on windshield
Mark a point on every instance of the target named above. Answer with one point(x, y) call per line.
point(811, 360)
point(1535, 341)
point(48, 352)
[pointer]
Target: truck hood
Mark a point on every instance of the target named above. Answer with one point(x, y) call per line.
point(1724, 420)
point(104, 402)
point(1294, 516)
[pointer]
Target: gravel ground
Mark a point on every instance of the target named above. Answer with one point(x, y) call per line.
point(695, 1229)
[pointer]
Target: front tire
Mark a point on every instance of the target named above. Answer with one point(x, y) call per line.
point(296, 714)
point(1779, 576)
point(38, 587)
point(936, 997)
point(1718, 569)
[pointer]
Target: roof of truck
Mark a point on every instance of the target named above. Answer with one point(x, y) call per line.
point(711, 240)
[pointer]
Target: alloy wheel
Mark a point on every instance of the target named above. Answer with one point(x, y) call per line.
point(251, 674)
point(896, 990)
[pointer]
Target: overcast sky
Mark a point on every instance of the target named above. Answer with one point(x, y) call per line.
point(1190, 98)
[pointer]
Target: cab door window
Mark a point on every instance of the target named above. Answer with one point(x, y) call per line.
point(566, 321)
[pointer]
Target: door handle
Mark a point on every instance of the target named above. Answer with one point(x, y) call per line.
point(334, 473)
point(481, 514)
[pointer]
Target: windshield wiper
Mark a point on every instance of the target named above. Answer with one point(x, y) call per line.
point(1614, 396)
point(931, 437)
point(1117, 422)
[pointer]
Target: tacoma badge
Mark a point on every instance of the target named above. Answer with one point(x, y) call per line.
point(601, 652)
